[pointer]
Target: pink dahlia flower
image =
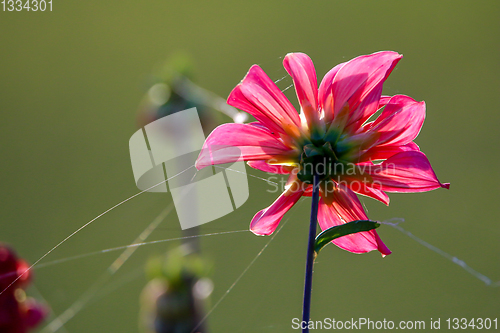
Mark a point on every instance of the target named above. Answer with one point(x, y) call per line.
point(334, 136)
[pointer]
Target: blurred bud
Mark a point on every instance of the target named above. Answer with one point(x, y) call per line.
point(172, 302)
point(171, 91)
point(11, 267)
point(18, 313)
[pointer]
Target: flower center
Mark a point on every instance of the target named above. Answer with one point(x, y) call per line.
point(320, 158)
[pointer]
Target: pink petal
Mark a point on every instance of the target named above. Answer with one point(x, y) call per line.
point(368, 191)
point(359, 83)
point(400, 122)
point(229, 143)
point(266, 220)
point(383, 101)
point(258, 95)
point(261, 126)
point(294, 184)
point(301, 69)
point(308, 192)
point(384, 152)
point(325, 97)
point(408, 171)
point(270, 168)
point(367, 107)
point(346, 208)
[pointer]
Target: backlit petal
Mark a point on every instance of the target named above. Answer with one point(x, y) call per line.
point(258, 95)
point(346, 207)
point(229, 143)
point(325, 97)
point(384, 152)
point(270, 168)
point(409, 171)
point(400, 122)
point(266, 220)
point(301, 69)
point(359, 83)
point(368, 191)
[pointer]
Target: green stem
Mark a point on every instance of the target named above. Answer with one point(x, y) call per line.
point(306, 308)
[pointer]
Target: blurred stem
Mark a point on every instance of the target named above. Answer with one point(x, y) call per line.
point(306, 308)
point(191, 239)
point(191, 91)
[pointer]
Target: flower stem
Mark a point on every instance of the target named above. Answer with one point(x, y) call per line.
point(306, 308)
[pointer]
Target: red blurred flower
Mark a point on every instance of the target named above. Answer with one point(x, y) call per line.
point(333, 132)
point(18, 314)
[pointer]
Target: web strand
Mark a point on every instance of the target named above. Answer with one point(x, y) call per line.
point(51, 263)
point(69, 313)
point(134, 245)
point(87, 224)
point(459, 262)
point(238, 278)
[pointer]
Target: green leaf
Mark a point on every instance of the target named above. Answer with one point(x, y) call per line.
point(325, 237)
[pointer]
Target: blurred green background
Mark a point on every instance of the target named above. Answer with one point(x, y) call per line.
point(70, 84)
